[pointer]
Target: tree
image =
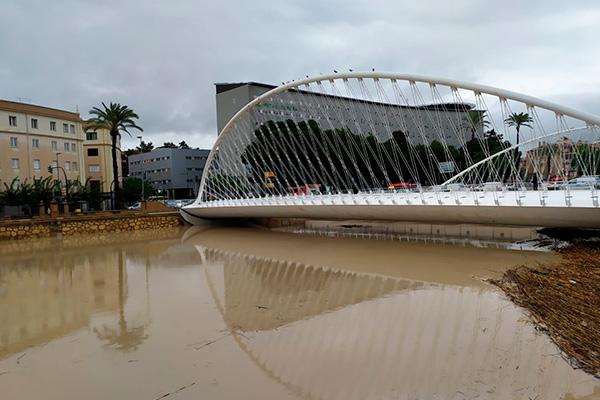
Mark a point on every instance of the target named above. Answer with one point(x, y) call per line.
point(183, 145)
point(475, 120)
point(132, 189)
point(519, 120)
point(130, 152)
point(145, 147)
point(116, 118)
point(169, 145)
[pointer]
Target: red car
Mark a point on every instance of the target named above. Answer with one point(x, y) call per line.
point(402, 185)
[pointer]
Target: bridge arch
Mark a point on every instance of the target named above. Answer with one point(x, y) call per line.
point(401, 136)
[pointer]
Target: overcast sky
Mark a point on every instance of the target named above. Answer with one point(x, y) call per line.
point(162, 57)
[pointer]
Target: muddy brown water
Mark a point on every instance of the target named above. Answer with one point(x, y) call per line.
point(232, 313)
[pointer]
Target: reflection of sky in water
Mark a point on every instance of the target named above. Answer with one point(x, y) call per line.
point(267, 315)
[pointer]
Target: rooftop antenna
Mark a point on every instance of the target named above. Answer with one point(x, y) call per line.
point(23, 100)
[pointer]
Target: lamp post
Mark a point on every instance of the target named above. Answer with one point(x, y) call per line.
point(58, 168)
point(57, 173)
point(143, 172)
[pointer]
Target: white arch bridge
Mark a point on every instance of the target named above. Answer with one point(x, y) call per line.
point(404, 147)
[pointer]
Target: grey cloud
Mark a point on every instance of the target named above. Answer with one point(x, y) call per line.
point(162, 57)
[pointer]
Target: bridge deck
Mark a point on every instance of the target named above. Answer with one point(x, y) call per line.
point(576, 208)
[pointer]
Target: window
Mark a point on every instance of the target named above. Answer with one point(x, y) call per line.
point(74, 147)
point(12, 120)
point(36, 165)
point(35, 143)
point(13, 142)
point(54, 164)
point(92, 152)
point(54, 145)
point(67, 165)
point(34, 123)
point(94, 168)
point(53, 126)
point(74, 166)
point(65, 128)
point(15, 163)
point(91, 135)
point(67, 146)
point(72, 128)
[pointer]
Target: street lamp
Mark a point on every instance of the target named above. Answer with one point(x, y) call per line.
point(57, 172)
point(143, 172)
point(58, 168)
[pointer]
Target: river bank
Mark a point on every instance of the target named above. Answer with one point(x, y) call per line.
point(563, 300)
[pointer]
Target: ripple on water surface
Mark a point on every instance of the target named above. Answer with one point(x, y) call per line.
point(245, 313)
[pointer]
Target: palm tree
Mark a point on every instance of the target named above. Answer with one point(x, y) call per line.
point(115, 118)
point(518, 120)
point(475, 120)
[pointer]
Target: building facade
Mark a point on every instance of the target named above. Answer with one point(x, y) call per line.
point(33, 138)
point(173, 171)
point(553, 160)
point(98, 158)
point(367, 116)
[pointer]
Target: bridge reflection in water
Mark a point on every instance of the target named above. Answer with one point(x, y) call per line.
point(329, 333)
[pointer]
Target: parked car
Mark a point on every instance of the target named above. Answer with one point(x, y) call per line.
point(393, 187)
point(584, 182)
point(556, 183)
point(178, 203)
point(135, 206)
point(490, 187)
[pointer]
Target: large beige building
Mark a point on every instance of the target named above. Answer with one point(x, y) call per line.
point(98, 158)
point(32, 138)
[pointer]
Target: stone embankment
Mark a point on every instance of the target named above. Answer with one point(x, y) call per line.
point(86, 224)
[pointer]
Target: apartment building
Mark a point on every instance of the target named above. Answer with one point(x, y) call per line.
point(98, 158)
point(32, 138)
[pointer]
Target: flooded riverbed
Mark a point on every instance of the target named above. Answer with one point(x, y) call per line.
point(228, 313)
